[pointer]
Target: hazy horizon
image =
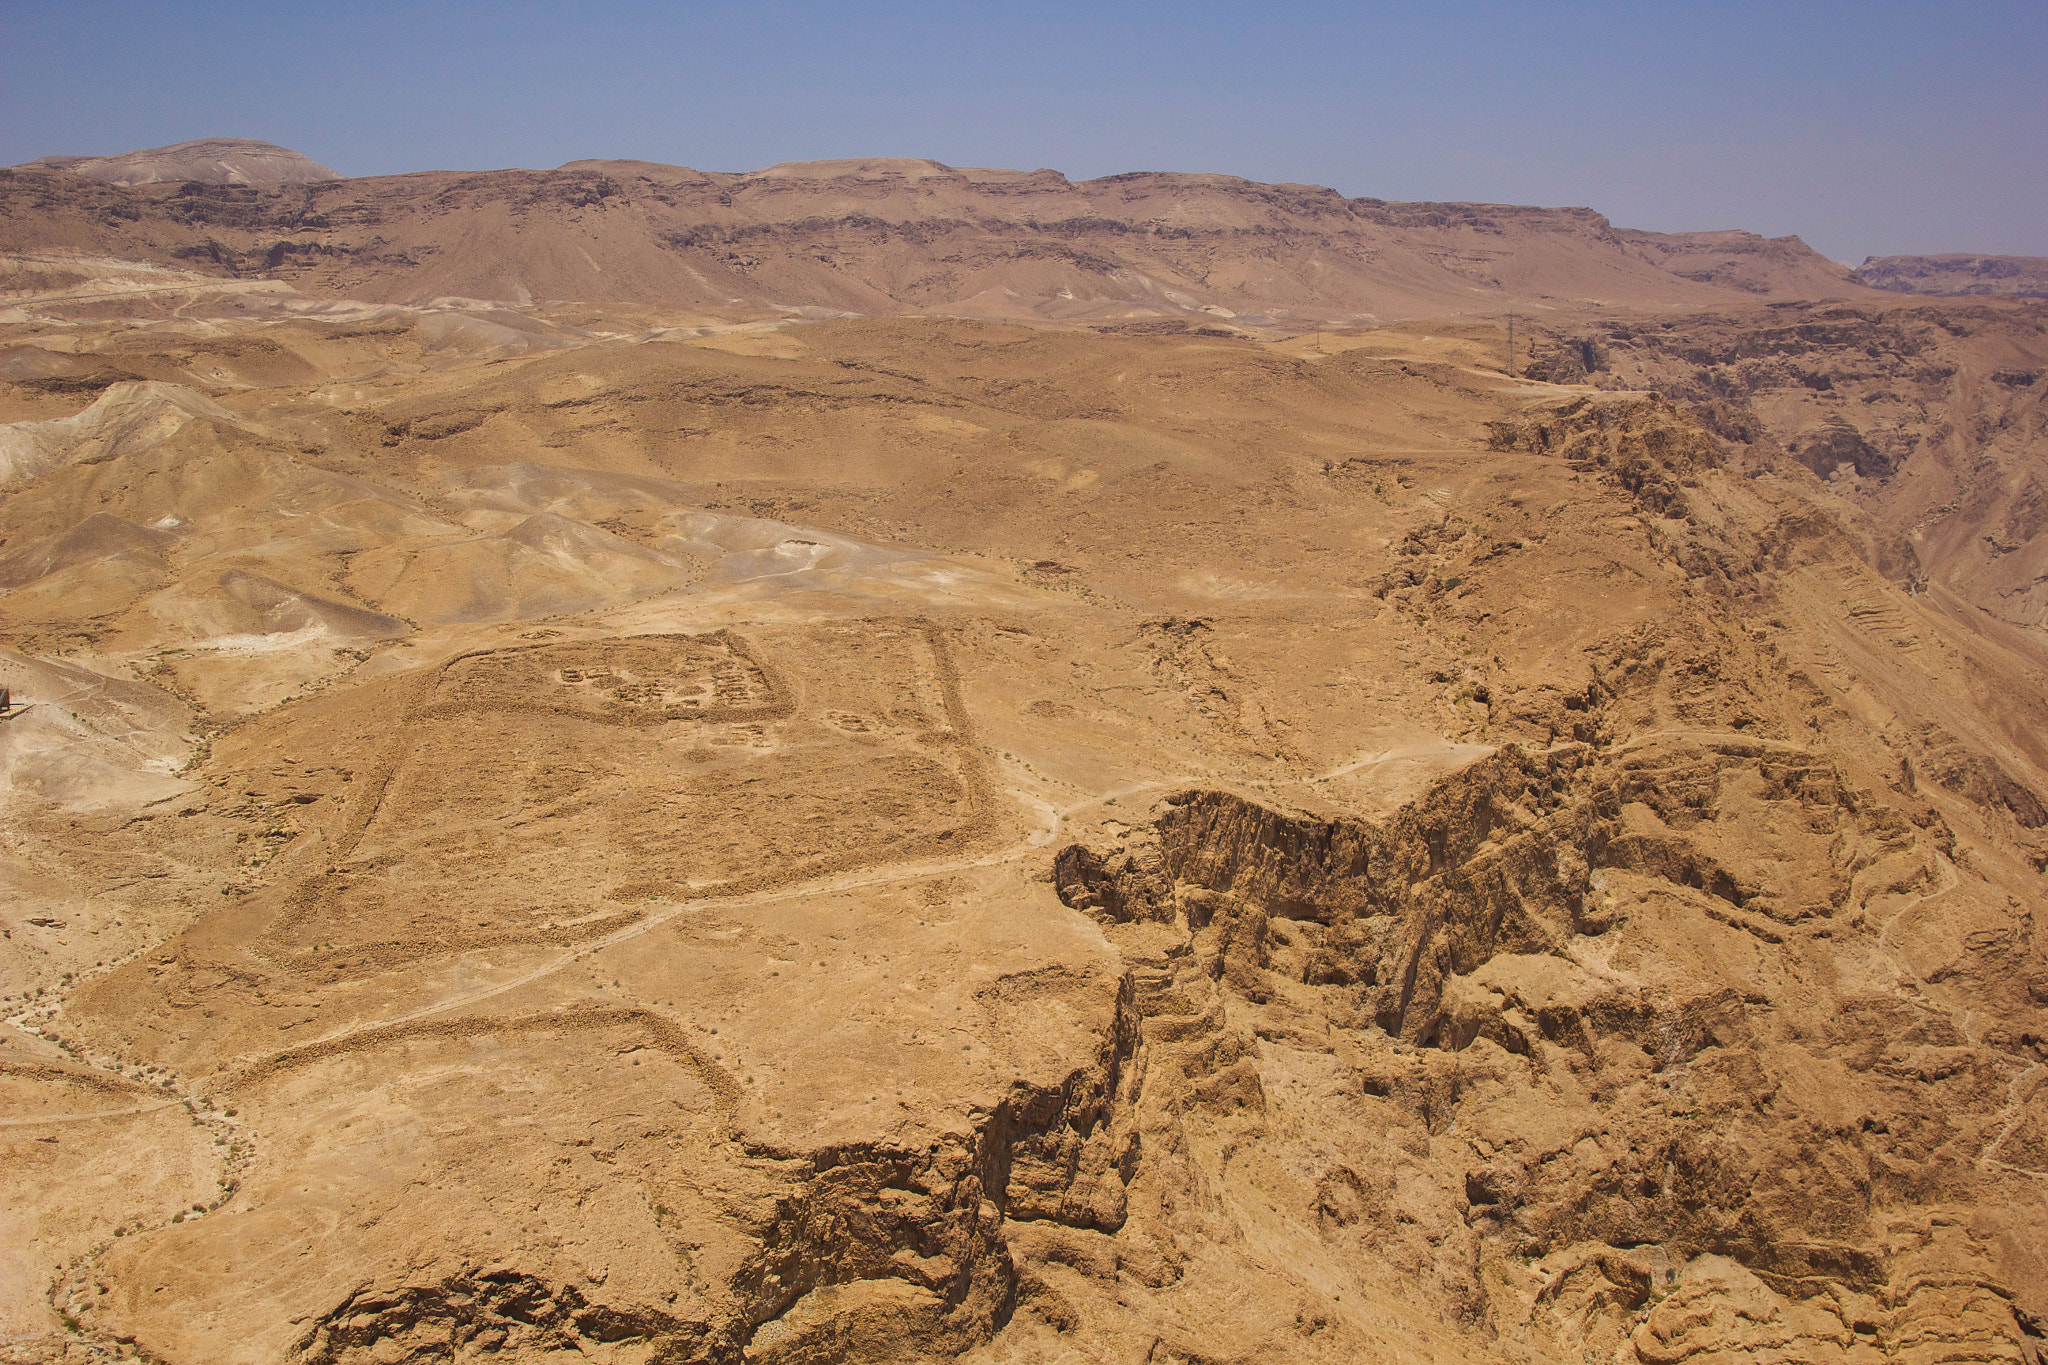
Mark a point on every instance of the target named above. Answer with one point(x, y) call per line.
point(1865, 130)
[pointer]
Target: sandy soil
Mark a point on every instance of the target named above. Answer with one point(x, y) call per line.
point(667, 836)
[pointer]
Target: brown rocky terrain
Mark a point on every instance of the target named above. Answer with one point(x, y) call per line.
point(665, 829)
point(1958, 274)
point(207, 161)
point(888, 236)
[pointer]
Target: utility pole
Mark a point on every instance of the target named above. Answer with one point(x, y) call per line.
point(1511, 345)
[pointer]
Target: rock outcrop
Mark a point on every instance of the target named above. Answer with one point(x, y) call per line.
point(1958, 275)
point(206, 161)
point(1499, 965)
point(878, 237)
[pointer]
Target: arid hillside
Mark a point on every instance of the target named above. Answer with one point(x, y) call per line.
point(207, 161)
point(1928, 421)
point(902, 236)
point(1958, 275)
point(657, 828)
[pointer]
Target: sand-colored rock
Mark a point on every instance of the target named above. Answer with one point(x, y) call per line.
point(912, 236)
point(206, 161)
point(1957, 274)
point(658, 832)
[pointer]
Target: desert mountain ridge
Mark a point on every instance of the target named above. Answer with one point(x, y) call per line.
point(900, 235)
point(204, 161)
point(1958, 274)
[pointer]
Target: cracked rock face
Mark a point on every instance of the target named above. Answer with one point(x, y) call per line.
point(652, 837)
point(1558, 1040)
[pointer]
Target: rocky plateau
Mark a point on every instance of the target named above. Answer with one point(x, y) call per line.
point(872, 761)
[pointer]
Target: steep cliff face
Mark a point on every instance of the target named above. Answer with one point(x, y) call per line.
point(1598, 1041)
point(858, 1252)
point(1958, 275)
point(882, 236)
point(1643, 445)
point(1922, 429)
point(1625, 1039)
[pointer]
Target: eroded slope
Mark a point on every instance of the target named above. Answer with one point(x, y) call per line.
point(888, 840)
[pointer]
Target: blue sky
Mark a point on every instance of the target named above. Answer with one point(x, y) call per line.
point(1867, 129)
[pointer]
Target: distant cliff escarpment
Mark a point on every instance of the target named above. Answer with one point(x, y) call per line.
point(208, 161)
point(877, 237)
point(2024, 277)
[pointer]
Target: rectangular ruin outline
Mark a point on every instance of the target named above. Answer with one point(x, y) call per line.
point(957, 738)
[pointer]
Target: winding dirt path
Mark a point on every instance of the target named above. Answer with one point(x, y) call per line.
point(94, 1116)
